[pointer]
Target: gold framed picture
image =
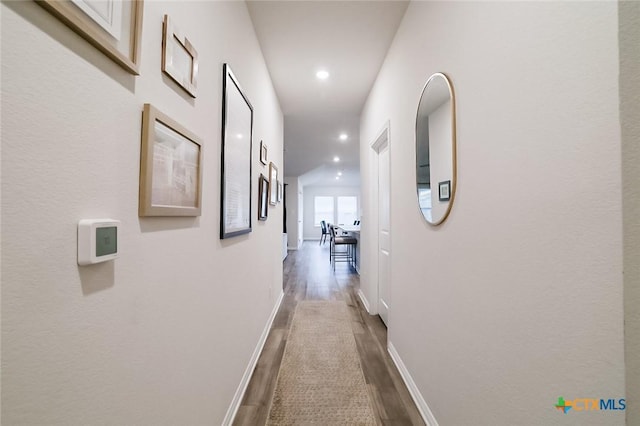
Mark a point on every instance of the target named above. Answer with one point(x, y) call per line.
point(280, 191)
point(179, 57)
point(273, 185)
point(112, 26)
point(263, 153)
point(170, 167)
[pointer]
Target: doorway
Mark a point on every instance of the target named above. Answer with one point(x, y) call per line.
point(381, 208)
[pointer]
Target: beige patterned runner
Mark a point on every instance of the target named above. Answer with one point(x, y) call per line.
point(320, 380)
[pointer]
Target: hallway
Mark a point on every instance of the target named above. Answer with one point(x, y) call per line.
point(308, 276)
point(181, 148)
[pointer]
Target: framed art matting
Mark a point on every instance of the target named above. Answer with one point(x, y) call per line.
point(170, 167)
point(263, 194)
point(273, 187)
point(237, 127)
point(113, 26)
point(263, 153)
point(444, 190)
point(179, 57)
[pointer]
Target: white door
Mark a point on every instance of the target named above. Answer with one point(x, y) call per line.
point(300, 223)
point(384, 234)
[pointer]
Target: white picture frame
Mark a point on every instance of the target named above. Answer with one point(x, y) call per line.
point(106, 13)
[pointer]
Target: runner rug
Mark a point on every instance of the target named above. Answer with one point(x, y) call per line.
point(320, 381)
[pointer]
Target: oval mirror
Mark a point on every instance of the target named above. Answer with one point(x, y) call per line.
point(436, 149)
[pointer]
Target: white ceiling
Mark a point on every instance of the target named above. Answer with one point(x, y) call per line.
point(349, 39)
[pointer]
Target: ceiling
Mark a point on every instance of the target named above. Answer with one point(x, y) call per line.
point(349, 39)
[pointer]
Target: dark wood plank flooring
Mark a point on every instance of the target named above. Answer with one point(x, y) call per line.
point(309, 276)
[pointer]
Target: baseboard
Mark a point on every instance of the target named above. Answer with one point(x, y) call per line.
point(237, 398)
point(424, 409)
point(364, 300)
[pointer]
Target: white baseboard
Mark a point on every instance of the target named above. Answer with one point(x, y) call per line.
point(424, 409)
point(364, 300)
point(242, 388)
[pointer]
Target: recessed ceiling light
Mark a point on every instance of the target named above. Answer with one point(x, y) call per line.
point(344, 136)
point(336, 159)
point(239, 136)
point(337, 177)
point(322, 74)
point(339, 173)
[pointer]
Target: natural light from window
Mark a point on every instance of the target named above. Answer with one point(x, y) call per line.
point(347, 210)
point(322, 210)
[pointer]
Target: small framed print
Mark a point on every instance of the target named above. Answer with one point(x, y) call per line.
point(263, 153)
point(444, 190)
point(112, 26)
point(170, 167)
point(263, 197)
point(179, 57)
point(273, 185)
point(280, 191)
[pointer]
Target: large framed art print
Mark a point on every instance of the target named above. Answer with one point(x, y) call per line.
point(237, 127)
point(112, 26)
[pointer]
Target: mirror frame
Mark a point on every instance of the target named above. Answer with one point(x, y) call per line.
point(454, 154)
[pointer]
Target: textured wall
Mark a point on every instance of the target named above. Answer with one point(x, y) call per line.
point(163, 334)
point(517, 298)
point(629, 12)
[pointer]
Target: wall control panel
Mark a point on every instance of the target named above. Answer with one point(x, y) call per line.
point(97, 240)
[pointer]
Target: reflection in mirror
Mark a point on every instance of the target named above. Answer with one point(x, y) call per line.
point(436, 149)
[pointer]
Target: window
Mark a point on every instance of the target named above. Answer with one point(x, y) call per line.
point(347, 210)
point(341, 211)
point(323, 210)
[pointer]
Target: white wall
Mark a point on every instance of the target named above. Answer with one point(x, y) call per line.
point(440, 156)
point(629, 13)
point(312, 232)
point(164, 334)
point(517, 298)
point(295, 210)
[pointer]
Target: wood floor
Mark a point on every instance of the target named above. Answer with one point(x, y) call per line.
point(309, 276)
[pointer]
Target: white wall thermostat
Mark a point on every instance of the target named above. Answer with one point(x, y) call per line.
point(97, 240)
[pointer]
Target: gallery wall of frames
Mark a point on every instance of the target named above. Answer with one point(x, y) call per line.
point(160, 115)
point(171, 156)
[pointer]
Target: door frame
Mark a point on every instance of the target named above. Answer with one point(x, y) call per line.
point(381, 140)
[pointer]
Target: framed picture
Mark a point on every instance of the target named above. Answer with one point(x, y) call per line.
point(273, 188)
point(280, 191)
point(112, 26)
point(170, 167)
point(179, 57)
point(444, 190)
point(263, 153)
point(237, 127)
point(263, 194)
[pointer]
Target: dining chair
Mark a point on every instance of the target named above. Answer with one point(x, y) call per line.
point(325, 232)
point(347, 255)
